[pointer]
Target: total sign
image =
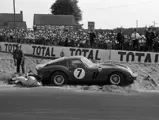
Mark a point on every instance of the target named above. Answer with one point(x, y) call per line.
point(93, 54)
point(134, 56)
point(57, 51)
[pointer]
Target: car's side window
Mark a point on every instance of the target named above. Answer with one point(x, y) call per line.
point(75, 63)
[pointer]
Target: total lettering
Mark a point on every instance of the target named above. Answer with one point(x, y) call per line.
point(43, 51)
point(132, 56)
point(90, 54)
point(11, 47)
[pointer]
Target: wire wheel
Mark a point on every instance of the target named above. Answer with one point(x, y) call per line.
point(116, 79)
point(58, 79)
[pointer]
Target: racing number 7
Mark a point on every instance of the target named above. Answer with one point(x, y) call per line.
point(79, 72)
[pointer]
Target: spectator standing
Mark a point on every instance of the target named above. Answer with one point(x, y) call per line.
point(120, 39)
point(11, 36)
point(66, 41)
point(92, 37)
point(135, 40)
point(150, 36)
point(18, 57)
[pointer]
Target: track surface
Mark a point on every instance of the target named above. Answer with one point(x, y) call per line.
point(56, 104)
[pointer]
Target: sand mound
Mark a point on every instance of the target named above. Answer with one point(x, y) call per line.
point(105, 88)
point(7, 63)
point(148, 77)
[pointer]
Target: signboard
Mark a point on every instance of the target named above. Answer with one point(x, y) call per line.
point(56, 52)
point(91, 25)
point(53, 52)
point(134, 56)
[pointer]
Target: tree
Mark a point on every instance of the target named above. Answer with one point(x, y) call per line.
point(67, 7)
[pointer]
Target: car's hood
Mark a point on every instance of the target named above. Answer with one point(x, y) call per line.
point(109, 65)
point(124, 67)
point(40, 66)
point(48, 63)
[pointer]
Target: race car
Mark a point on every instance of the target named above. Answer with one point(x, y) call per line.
point(78, 68)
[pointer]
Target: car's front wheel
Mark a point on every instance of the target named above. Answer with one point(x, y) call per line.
point(116, 79)
point(59, 79)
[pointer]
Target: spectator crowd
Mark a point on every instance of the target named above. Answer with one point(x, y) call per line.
point(99, 39)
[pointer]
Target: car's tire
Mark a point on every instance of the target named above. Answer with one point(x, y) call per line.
point(58, 79)
point(116, 79)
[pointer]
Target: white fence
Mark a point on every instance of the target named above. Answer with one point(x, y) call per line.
point(94, 54)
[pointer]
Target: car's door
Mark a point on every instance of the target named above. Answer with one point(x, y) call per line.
point(77, 70)
point(96, 73)
point(93, 73)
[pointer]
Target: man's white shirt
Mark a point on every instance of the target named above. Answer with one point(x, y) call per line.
point(135, 36)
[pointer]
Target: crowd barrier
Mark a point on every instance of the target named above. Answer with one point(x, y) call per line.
point(52, 52)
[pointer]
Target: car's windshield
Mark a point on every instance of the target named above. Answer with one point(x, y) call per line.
point(87, 62)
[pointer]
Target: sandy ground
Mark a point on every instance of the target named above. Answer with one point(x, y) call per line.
point(148, 77)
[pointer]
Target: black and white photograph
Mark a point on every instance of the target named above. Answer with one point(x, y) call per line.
point(79, 60)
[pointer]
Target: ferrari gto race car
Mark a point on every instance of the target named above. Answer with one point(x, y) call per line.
point(78, 68)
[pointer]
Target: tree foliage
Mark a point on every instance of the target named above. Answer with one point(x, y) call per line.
point(67, 7)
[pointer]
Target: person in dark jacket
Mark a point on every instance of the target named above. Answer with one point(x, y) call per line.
point(120, 39)
point(150, 36)
point(92, 37)
point(18, 57)
point(66, 41)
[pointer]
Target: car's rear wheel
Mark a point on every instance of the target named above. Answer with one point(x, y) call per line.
point(59, 79)
point(116, 79)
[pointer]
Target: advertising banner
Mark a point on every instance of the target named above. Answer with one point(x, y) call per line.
point(53, 52)
point(134, 56)
point(57, 51)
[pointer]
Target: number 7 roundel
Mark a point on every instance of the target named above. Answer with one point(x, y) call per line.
point(79, 73)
